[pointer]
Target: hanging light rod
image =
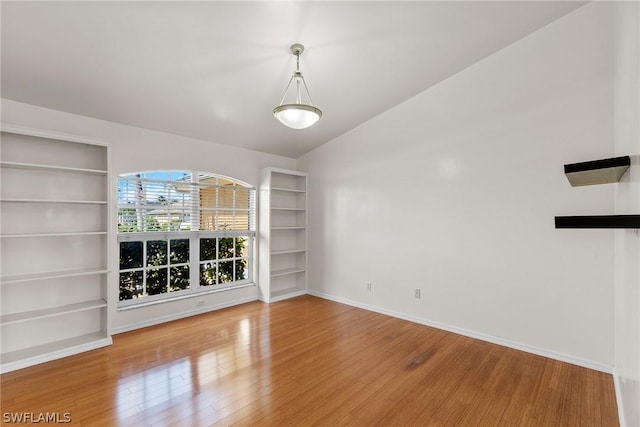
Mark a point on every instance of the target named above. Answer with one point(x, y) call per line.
point(297, 115)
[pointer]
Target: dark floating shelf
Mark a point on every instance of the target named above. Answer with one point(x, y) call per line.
point(598, 221)
point(595, 172)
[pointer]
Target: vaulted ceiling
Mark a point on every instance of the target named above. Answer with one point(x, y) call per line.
point(215, 70)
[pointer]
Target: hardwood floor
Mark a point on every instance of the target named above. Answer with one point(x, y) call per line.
point(308, 361)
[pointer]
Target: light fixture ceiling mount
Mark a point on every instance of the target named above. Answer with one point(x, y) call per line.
point(297, 115)
point(296, 49)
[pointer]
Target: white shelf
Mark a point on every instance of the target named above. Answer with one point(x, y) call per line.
point(80, 202)
point(288, 209)
point(283, 228)
point(287, 271)
point(26, 316)
point(52, 168)
point(42, 353)
point(288, 251)
point(293, 190)
point(76, 233)
point(55, 208)
point(53, 275)
point(286, 293)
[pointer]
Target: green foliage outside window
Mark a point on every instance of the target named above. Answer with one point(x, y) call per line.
point(219, 265)
point(161, 273)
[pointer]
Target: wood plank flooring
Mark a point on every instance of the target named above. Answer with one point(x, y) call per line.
point(309, 361)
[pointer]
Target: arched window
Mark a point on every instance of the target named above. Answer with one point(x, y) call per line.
point(181, 233)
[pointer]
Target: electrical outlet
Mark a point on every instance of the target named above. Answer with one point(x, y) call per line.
point(417, 293)
point(369, 286)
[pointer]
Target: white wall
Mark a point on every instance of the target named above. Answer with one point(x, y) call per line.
point(134, 149)
point(455, 192)
point(627, 201)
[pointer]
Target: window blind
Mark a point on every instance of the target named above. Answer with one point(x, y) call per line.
point(184, 201)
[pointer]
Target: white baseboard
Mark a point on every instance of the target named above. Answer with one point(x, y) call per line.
point(54, 355)
point(472, 334)
point(284, 296)
point(181, 315)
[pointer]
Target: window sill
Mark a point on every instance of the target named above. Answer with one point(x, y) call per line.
point(181, 297)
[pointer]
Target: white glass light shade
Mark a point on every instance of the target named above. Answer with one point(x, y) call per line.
point(297, 116)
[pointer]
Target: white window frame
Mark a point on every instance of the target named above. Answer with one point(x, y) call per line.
point(194, 237)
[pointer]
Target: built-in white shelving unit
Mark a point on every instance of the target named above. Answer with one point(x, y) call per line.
point(283, 234)
point(53, 246)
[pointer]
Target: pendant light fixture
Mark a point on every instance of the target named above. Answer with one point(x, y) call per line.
point(297, 115)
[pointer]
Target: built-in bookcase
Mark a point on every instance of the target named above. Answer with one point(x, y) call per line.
point(283, 234)
point(53, 246)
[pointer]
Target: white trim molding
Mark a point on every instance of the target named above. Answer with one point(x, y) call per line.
point(23, 130)
point(616, 383)
point(472, 334)
point(54, 355)
point(181, 315)
point(283, 297)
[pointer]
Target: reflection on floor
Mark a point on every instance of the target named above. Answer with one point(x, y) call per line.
point(308, 361)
